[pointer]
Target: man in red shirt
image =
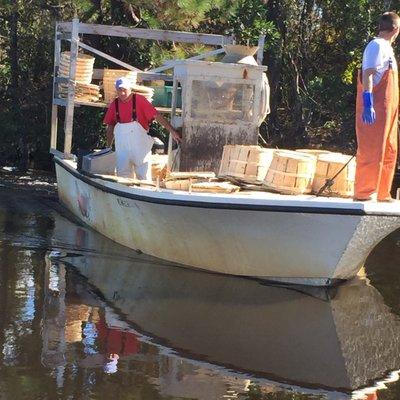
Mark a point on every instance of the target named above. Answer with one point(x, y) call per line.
point(128, 119)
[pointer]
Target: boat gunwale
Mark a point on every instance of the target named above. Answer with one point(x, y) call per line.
point(200, 203)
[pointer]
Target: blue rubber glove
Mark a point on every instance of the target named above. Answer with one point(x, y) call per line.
point(368, 115)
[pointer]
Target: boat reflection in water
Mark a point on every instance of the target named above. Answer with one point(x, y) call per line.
point(207, 332)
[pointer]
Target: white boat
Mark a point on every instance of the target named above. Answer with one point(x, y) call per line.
point(294, 239)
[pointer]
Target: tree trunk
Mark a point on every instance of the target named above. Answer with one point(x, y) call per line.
point(275, 65)
point(15, 91)
point(13, 51)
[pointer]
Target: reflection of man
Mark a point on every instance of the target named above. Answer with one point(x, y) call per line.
point(377, 114)
point(128, 118)
point(115, 343)
point(111, 366)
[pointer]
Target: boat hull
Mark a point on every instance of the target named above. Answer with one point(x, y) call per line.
point(296, 247)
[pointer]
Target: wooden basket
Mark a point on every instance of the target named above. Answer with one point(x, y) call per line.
point(313, 152)
point(215, 187)
point(245, 163)
point(328, 165)
point(187, 175)
point(183, 180)
point(224, 164)
point(199, 185)
point(145, 91)
point(84, 67)
point(109, 78)
point(83, 91)
point(290, 172)
point(179, 184)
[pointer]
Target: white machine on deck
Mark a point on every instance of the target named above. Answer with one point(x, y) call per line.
point(222, 103)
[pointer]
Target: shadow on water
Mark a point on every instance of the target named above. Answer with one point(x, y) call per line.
point(82, 317)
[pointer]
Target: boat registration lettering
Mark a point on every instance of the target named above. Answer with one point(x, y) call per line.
point(124, 203)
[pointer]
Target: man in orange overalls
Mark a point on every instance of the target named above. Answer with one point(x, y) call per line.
point(377, 114)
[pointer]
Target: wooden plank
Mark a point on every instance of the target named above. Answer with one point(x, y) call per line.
point(91, 104)
point(141, 76)
point(207, 54)
point(54, 125)
point(167, 110)
point(60, 154)
point(172, 158)
point(150, 76)
point(260, 52)
point(63, 103)
point(69, 112)
point(171, 63)
point(108, 57)
point(54, 108)
point(174, 97)
point(150, 34)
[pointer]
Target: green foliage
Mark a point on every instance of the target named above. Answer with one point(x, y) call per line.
point(351, 70)
point(175, 14)
point(313, 50)
point(249, 21)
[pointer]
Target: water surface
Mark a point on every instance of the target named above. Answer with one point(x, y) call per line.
point(84, 318)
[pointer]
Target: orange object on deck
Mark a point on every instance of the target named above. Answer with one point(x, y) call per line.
point(377, 143)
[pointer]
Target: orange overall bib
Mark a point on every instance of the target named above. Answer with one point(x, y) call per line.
point(377, 143)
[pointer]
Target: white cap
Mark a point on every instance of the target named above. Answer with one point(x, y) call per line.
point(123, 83)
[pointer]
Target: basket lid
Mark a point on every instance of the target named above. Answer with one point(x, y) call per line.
point(334, 158)
point(294, 155)
point(187, 175)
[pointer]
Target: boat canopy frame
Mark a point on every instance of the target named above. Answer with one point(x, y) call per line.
point(72, 31)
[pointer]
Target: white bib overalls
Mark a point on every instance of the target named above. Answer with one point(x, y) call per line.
point(133, 150)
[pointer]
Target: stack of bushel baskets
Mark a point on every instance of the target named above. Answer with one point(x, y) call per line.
point(290, 172)
point(248, 164)
point(85, 91)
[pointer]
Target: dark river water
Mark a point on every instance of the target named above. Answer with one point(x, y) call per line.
point(84, 318)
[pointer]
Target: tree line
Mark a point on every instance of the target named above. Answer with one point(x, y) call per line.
point(313, 50)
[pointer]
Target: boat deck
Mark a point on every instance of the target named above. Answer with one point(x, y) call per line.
point(243, 199)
